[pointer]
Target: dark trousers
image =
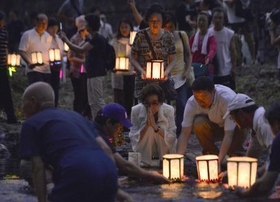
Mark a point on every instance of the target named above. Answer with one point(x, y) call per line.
point(225, 80)
point(80, 103)
point(37, 76)
point(55, 83)
point(6, 101)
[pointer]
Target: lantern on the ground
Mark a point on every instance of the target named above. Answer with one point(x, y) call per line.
point(173, 166)
point(122, 64)
point(155, 70)
point(132, 37)
point(55, 58)
point(242, 171)
point(13, 60)
point(207, 168)
point(37, 58)
point(65, 47)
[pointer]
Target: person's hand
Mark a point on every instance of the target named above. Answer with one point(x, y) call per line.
point(222, 175)
point(131, 3)
point(63, 36)
point(187, 73)
point(158, 178)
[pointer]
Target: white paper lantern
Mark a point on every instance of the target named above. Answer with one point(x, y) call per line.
point(207, 168)
point(122, 64)
point(242, 171)
point(155, 70)
point(13, 60)
point(37, 58)
point(173, 166)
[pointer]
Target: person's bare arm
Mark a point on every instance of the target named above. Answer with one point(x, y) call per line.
point(105, 147)
point(39, 178)
point(137, 16)
point(171, 65)
point(183, 140)
point(225, 145)
point(83, 48)
point(135, 64)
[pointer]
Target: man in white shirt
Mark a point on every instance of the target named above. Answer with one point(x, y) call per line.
point(34, 40)
point(225, 67)
point(204, 114)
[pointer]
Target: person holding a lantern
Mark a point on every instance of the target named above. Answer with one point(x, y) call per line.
point(247, 114)
point(83, 167)
point(264, 184)
point(109, 123)
point(6, 101)
point(123, 78)
point(204, 113)
point(34, 49)
point(150, 46)
point(153, 133)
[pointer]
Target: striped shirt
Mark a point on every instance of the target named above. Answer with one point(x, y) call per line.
point(3, 47)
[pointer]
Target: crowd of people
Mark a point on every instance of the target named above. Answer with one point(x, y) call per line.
point(201, 57)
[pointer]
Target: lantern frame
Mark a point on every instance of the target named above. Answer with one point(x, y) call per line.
point(55, 58)
point(173, 161)
point(13, 60)
point(65, 47)
point(120, 61)
point(132, 37)
point(155, 70)
point(36, 59)
point(211, 164)
point(237, 179)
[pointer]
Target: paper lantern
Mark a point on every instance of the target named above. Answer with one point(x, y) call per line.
point(13, 60)
point(173, 166)
point(55, 58)
point(155, 70)
point(122, 64)
point(132, 37)
point(242, 171)
point(37, 58)
point(207, 168)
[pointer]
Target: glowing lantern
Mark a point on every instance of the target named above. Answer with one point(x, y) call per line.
point(207, 168)
point(132, 37)
point(155, 69)
point(55, 59)
point(242, 171)
point(13, 60)
point(122, 64)
point(173, 166)
point(37, 58)
point(65, 47)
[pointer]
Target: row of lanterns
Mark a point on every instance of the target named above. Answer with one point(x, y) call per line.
point(242, 171)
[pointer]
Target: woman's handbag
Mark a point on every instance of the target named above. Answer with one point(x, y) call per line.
point(200, 69)
point(167, 85)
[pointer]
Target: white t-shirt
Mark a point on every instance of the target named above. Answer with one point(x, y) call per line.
point(30, 42)
point(215, 113)
point(223, 38)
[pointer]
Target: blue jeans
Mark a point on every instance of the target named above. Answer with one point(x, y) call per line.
point(183, 94)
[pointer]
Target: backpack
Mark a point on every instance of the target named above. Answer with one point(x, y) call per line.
point(110, 57)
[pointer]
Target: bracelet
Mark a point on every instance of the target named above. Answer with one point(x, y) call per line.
point(156, 131)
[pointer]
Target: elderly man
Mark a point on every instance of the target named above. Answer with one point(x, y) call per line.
point(37, 40)
point(69, 144)
point(246, 114)
point(204, 113)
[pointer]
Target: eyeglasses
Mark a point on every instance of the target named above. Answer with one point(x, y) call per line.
point(147, 104)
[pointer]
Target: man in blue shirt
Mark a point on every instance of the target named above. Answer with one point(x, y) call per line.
point(64, 140)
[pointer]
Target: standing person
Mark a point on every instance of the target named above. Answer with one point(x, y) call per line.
point(6, 100)
point(203, 46)
point(123, 82)
point(225, 68)
point(264, 185)
point(153, 133)
point(33, 40)
point(204, 113)
point(105, 29)
point(68, 143)
point(77, 71)
point(95, 62)
point(162, 42)
point(56, 44)
point(182, 73)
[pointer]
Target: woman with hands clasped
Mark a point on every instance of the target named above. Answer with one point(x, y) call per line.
point(153, 133)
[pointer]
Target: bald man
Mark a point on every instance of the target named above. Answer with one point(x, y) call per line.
point(64, 140)
point(36, 40)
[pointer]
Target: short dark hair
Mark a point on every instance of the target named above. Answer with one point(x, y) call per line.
point(52, 22)
point(209, 17)
point(93, 21)
point(2, 15)
point(203, 83)
point(126, 21)
point(154, 8)
point(273, 113)
point(152, 89)
point(169, 17)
